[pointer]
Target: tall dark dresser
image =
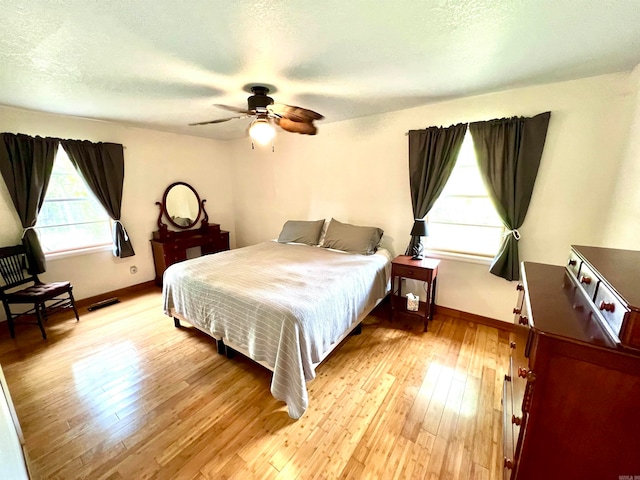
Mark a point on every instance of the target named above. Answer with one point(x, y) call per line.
point(571, 397)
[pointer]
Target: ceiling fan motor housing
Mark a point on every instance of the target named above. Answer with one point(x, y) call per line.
point(259, 100)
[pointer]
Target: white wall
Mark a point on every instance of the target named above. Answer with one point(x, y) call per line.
point(357, 172)
point(623, 227)
point(153, 160)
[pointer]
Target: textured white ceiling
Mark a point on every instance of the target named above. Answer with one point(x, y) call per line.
point(163, 64)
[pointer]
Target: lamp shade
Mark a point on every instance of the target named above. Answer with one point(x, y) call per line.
point(419, 228)
point(261, 131)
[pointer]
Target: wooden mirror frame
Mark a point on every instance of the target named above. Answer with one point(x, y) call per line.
point(164, 230)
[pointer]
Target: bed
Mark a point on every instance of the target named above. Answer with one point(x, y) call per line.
point(285, 306)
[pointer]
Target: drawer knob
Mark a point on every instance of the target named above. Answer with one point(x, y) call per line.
point(517, 311)
point(516, 420)
point(607, 307)
point(523, 320)
point(526, 373)
point(512, 345)
point(572, 263)
point(508, 464)
point(584, 279)
point(520, 287)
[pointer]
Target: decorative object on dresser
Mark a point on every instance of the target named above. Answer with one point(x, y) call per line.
point(22, 288)
point(425, 270)
point(182, 207)
point(418, 231)
point(570, 407)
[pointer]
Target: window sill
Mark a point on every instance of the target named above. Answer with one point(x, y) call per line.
point(460, 257)
point(76, 253)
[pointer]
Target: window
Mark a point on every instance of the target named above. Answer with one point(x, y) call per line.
point(71, 218)
point(463, 219)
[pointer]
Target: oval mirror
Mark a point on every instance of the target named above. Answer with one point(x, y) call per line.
point(181, 205)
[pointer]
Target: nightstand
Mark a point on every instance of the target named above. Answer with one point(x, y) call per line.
point(425, 270)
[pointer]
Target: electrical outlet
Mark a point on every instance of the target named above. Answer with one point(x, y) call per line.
point(133, 269)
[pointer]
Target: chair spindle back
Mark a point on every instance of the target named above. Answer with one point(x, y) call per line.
point(13, 266)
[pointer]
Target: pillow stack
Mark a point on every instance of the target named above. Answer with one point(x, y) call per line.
point(339, 236)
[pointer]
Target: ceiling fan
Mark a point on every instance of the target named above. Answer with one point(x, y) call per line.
point(259, 105)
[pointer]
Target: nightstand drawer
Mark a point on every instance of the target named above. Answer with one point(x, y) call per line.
point(415, 273)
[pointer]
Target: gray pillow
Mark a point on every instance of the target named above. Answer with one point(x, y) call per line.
point(352, 238)
point(301, 231)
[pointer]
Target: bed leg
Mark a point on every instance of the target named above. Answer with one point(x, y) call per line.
point(222, 349)
point(176, 322)
point(230, 352)
point(357, 330)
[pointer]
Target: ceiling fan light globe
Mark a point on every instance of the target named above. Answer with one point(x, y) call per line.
point(262, 131)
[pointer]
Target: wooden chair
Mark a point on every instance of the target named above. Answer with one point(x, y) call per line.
point(46, 298)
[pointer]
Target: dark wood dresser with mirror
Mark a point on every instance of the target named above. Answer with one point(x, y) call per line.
point(571, 397)
point(182, 207)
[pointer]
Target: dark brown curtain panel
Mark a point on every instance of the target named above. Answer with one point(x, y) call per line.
point(102, 167)
point(509, 152)
point(26, 163)
point(432, 156)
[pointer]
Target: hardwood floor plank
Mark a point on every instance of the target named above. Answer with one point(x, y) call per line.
point(352, 471)
point(449, 419)
point(484, 420)
point(413, 422)
point(102, 400)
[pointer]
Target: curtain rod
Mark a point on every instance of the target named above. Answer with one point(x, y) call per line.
point(61, 139)
point(124, 147)
point(467, 123)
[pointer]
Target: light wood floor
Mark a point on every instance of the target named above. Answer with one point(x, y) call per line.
point(124, 394)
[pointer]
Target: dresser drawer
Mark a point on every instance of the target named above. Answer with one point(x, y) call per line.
point(175, 256)
point(406, 271)
point(519, 309)
point(508, 438)
point(611, 308)
point(513, 421)
point(588, 280)
point(573, 264)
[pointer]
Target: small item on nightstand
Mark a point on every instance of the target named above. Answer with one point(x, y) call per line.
point(418, 231)
point(413, 302)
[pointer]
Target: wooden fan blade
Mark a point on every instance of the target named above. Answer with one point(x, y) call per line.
point(220, 120)
point(305, 128)
point(233, 109)
point(296, 114)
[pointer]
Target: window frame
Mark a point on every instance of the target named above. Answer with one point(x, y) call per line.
point(466, 153)
point(107, 220)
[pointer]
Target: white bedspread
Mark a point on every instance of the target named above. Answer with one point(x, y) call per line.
point(285, 304)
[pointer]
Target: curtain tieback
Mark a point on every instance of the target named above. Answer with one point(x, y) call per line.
point(124, 230)
point(514, 232)
point(24, 232)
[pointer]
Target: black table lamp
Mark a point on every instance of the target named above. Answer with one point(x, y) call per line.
point(418, 231)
